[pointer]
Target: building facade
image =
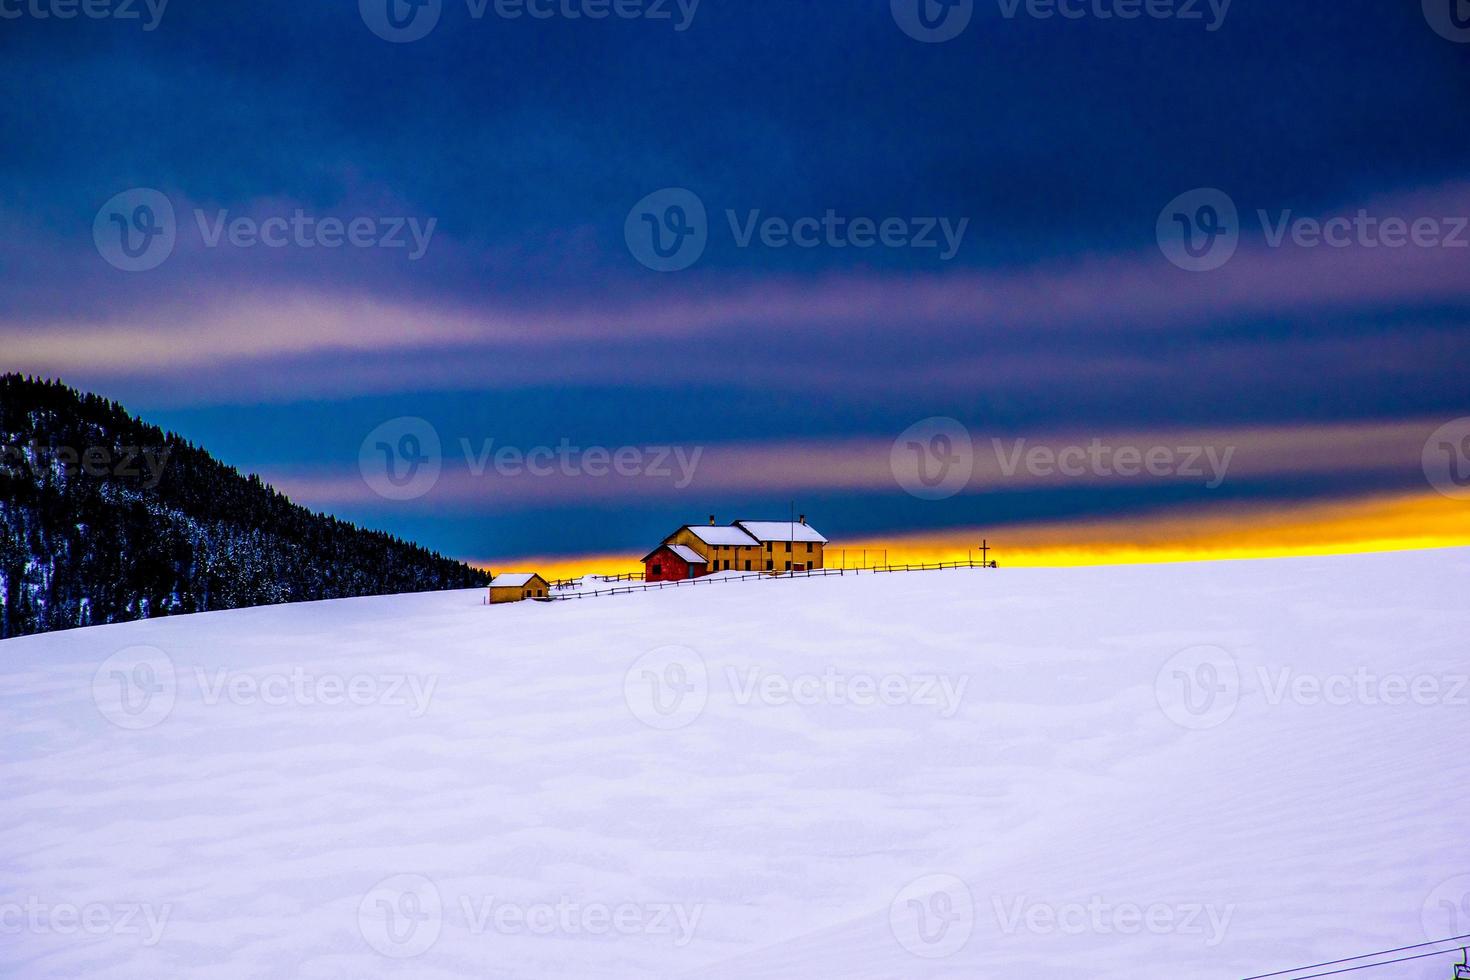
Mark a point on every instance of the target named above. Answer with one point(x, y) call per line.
point(745, 546)
point(518, 586)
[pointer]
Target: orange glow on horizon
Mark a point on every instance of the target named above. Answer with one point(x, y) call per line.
point(1385, 523)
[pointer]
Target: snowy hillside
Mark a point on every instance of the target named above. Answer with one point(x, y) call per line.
point(1214, 770)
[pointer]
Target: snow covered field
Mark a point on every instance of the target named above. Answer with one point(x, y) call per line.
point(1214, 770)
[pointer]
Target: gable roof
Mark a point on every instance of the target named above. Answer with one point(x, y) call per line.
point(512, 580)
point(782, 531)
point(687, 554)
point(725, 534)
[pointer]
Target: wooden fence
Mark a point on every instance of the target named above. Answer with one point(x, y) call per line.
point(747, 576)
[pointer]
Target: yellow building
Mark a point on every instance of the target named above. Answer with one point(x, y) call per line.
point(753, 546)
point(517, 586)
point(786, 545)
point(724, 547)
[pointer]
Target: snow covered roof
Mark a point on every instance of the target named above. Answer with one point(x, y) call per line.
point(781, 531)
point(722, 534)
point(511, 580)
point(688, 554)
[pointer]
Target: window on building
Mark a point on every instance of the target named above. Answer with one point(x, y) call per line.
point(768, 564)
point(747, 564)
point(658, 569)
point(527, 595)
point(808, 547)
point(788, 547)
point(788, 566)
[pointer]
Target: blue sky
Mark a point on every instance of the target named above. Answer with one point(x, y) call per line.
point(529, 319)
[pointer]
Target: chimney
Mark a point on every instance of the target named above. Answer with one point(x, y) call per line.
point(803, 518)
point(711, 520)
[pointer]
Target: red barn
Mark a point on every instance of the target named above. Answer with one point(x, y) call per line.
point(672, 562)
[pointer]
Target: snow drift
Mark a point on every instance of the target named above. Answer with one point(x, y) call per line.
point(1213, 770)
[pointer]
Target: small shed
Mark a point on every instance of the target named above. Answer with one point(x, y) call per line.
point(672, 562)
point(516, 586)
